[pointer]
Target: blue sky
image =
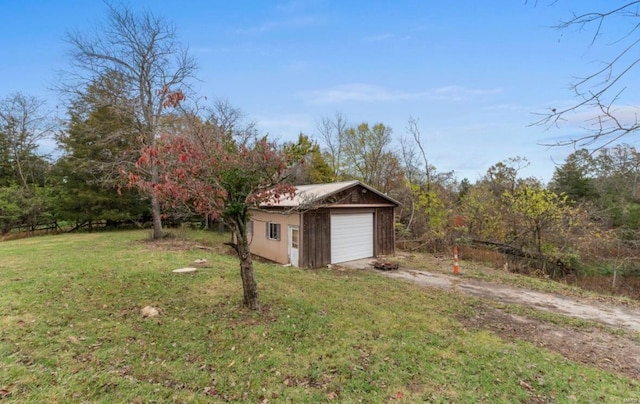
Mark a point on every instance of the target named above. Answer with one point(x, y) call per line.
point(473, 73)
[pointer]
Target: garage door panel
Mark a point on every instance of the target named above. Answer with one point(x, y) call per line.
point(351, 237)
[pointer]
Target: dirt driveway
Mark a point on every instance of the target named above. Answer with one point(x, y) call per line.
point(613, 343)
point(610, 316)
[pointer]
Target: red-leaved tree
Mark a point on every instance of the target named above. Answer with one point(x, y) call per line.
point(220, 174)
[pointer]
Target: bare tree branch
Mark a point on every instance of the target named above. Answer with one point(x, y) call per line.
point(599, 93)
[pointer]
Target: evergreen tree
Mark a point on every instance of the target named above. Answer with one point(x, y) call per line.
point(312, 168)
point(98, 142)
point(574, 177)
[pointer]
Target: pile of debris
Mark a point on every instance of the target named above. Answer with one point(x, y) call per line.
point(385, 266)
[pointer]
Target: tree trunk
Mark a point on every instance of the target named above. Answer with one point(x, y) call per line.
point(249, 285)
point(157, 217)
point(156, 213)
point(18, 165)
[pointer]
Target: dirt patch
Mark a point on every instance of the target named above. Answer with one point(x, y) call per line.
point(177, 244)
point(592, 347)
point(605, 314)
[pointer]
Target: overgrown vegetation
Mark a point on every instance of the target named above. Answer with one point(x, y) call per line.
point(71, 330)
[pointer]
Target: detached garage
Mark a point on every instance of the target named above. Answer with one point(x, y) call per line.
point(325, 224)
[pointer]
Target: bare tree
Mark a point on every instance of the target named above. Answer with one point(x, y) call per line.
point(228, 118)
point(600, 93)
point(413, 173)
point(144, 50)
point(332, 134)
point(23, 125)
point(414, 130)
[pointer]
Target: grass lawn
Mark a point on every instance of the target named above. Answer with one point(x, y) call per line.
point(71, 331)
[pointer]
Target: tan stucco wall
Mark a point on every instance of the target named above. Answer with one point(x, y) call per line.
point(274, 250)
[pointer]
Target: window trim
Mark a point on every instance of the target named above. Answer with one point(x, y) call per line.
point(273, 231)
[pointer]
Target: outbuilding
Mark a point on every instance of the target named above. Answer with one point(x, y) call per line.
point(324, 224)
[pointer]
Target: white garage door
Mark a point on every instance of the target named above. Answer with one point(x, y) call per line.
point(351, 237)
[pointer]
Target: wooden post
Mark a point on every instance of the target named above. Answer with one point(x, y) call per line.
point(456, 267)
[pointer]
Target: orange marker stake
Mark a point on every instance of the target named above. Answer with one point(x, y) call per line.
point(456, 267)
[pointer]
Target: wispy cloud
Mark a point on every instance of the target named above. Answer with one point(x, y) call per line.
point(460, 93)
point(625, 115)
point(505, 108)
point(374, 93)
point(286, 125)
point(274, 25)
point(355, 92)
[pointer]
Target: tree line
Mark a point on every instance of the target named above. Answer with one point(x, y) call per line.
point(589, 194)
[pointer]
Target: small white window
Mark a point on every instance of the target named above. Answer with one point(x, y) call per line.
point(273, 231)
point(250, 227)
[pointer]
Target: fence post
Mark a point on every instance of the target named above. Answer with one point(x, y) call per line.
point(456, 267)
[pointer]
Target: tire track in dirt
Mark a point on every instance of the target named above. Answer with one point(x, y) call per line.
point(608, 315)
point(591, 346)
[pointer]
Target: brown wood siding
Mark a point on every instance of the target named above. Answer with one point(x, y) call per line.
point(356, 195)
point(384, 232)
point(316, 239)
point(316, 235)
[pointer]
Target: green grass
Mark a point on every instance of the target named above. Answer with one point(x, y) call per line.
point(71, 331)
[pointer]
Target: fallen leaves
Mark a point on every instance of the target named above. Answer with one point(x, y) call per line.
point(5, 393)
point(210, 391)
point(526, 385)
